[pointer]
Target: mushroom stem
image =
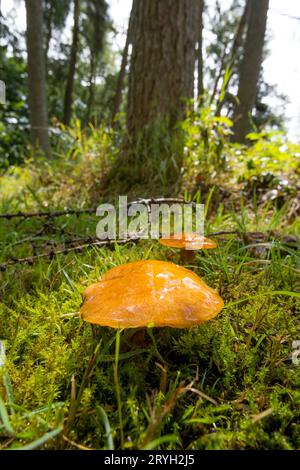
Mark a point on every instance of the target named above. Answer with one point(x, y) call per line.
point(156, 351)
point(136, 337)
point(96, 332)
point(187, 256)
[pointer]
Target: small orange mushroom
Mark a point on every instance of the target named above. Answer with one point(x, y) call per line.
point(150, 293)
point(188, 243)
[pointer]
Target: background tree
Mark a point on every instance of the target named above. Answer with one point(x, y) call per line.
point(14, 115)
point(236, 44)
point(100, 90)
point(93, 78)
point(222, 23)
point(72, 65)
point(200, 51)
point(250, 67)
point(224, 39)
point(36, 76)
point(55, 15)
point(121, 75)
point(94, 27)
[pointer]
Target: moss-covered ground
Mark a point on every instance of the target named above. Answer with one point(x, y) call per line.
point(230, 383)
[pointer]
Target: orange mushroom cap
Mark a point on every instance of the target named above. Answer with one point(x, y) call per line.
point(150, 293)
point(188, 241)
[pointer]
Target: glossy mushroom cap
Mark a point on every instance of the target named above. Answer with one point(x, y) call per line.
point(150, 293)
point(188, 241)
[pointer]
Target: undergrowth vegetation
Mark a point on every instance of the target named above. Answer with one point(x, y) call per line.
point(227, 384)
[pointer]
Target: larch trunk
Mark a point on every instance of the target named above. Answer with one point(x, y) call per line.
point(72, 67)
point(90, 100)
point(37, 96)
point(200, 52)
point(237, 41)
point(250, 67)
point(121, 76)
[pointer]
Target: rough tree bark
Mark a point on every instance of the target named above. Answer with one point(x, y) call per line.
point(72, 66)
point(250, 67)
point(37, 96)
point(164, 35)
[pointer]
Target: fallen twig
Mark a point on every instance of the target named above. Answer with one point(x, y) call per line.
point(223, 232)
point(31, 259)
point(53, 214)
point(74, 444)
point(28, 215)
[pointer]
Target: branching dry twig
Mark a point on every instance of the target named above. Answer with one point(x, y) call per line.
point(31, 259)
point(53, 214)
point(79, 248)
point(87, 241)
point(28, 215)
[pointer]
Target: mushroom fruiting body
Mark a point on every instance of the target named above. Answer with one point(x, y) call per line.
point(188, 243)
point(150, 293)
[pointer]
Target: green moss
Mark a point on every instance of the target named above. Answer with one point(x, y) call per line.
point(240, 362)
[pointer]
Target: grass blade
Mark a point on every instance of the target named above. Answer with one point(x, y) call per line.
point(5, 419)
point(161, 440)
point(103, 416)
point(42, 440)
point(117, 385)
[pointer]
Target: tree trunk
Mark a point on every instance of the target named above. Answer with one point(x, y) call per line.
point(219, 76)
point(235, 47)
point(250, 67)
point(90, 100)
point(121, 76)
point(72, 67)
point(37, 77)
point(164, 36)
point(200, 52)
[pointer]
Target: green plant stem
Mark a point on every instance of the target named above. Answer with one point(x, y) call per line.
point(76, 402)
point(117, 386)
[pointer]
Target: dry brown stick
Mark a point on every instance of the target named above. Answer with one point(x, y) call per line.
point(90, 243)
point(30, 259)
point(27, 215)
point(75, 444)
point(222, 232)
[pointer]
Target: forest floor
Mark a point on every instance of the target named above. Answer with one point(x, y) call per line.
point(230, 383)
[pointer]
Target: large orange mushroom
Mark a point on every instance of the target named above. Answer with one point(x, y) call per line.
point(150, 293)
point(188, 243)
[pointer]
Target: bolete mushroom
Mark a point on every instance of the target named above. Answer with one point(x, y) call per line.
point(150, 293)
point(188, 243)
